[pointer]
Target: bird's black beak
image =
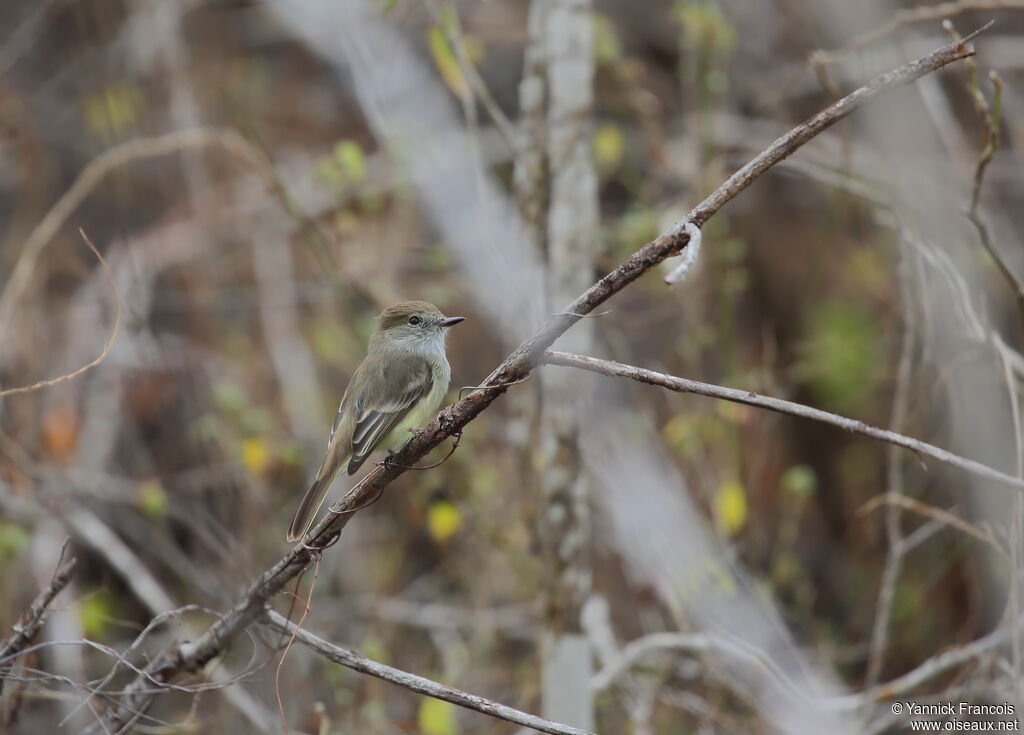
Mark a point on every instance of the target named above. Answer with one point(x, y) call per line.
point(451, 321)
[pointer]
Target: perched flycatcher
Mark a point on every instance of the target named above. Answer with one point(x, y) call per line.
point(398, 386)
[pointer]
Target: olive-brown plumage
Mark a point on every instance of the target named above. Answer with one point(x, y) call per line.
point(399, 384)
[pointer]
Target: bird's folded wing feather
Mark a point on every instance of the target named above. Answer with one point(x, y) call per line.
point(380, 411)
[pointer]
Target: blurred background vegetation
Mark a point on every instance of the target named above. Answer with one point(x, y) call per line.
point(252, 259)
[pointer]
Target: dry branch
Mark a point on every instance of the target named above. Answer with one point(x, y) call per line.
point(106, 348)
point(415, 683)
point(749, 398)
point(938, 665)
point(193, 656)
point(32, 620)
point(90, 177)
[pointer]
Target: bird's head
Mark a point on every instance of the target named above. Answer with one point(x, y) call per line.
point(415, 322)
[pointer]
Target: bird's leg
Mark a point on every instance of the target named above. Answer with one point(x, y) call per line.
point(386, 463)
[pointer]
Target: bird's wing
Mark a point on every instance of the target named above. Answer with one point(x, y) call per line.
point(379, 411)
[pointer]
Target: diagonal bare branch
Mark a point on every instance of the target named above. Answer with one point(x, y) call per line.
point(193, 656)
point(422, 685)
point(749, 398)
point(32, 620)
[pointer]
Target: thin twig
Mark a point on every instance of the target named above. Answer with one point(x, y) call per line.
point(88, 179)
point(106, 347)
point(415, 683)
point(929, 511)
point(194, 655)
point(897, 547)
point(749, 398)
point(291, 640)
point(991, 118)
point(907, 16)
point(937, 665)
point(735, 648)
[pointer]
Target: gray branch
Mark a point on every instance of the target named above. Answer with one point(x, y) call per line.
point(419, 684)
point(749, 398)
point(32, 620)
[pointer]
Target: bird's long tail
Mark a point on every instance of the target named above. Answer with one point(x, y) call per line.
point(309, 507)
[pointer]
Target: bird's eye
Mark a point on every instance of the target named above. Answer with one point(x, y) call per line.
point(414, 320)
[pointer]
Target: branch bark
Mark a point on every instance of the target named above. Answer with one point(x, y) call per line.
point(32, 619)
point(193, 656)
point(412, 682)
point(749, 398)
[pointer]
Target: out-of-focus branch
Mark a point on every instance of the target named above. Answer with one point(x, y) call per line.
point(639, 649)
point(909, 16)
point(557, 188)
point(32, 620)
point(106, 348)
point(931, 668)
point(88, 179)
point(749, 398)
point(419, 684)
point(898, 547)
point(22, 38)
point(898, 500)
point(991, 119)
point(193, 656)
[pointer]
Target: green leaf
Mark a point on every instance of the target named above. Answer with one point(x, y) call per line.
point(13, 539)
point(607, 49)
point(351, 161)
point(841, 356)
point(705, 26)
point(152, 499)
point(799, 480)
point(94, 613)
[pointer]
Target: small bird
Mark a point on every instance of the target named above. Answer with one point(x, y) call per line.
point(399, 384)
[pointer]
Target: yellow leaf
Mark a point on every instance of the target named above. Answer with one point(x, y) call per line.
point(114, 110)
point(609, 146)
point(152, 499)
point(255, 454)
point(730, 507)
point(447, 64)
point(443, 520)
point(437, 717)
